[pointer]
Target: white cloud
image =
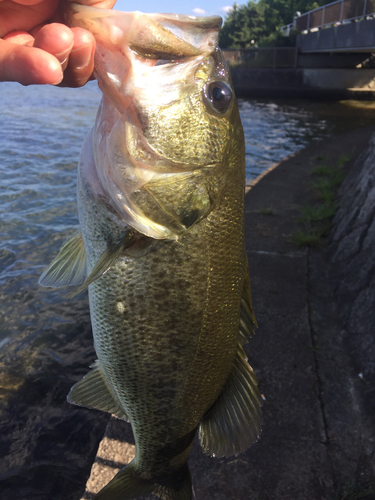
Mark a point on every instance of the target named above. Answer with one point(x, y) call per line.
point(199, 11)
point(227, 9)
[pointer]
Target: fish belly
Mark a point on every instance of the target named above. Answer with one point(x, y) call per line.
point(165, 324)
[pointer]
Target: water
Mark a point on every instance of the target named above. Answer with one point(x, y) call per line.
point(276, 129)
point(41, 132)
point(45, 338)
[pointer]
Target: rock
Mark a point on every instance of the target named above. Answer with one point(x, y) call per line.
point(351, 259)
point(352, 245)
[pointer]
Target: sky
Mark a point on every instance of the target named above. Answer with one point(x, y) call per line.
point(190, 7)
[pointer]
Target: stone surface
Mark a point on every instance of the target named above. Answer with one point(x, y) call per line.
point(316, 437)
point(314, 372)
point(352, 245)
point(47, 446)
point(352, 275)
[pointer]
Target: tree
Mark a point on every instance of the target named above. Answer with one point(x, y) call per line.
point(261, 21)
point(244, 27)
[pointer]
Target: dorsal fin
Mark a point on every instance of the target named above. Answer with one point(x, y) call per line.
point(234, 421)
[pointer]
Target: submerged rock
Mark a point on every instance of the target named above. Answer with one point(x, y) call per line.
point(47, 446)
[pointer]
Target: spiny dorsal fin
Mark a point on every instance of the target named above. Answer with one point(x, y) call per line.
point(92, 392)
point(234, 421)
point(69, 267)
point(108, 257)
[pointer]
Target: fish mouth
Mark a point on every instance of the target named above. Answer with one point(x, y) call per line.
point(132, 50)
point(152, 36)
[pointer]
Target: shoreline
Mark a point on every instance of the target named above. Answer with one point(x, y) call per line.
point(50, 445)
point(295, 457)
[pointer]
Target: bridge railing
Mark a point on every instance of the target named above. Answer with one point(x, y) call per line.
point(268, 57)
point(341, 11)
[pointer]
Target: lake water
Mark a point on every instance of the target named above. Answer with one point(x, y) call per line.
point(41, 132)
point(45, 338)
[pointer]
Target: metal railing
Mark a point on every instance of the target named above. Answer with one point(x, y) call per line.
point(287, 29)
point(268, 57)
point(341, 11)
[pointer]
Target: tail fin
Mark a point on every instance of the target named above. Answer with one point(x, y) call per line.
point(127, 485)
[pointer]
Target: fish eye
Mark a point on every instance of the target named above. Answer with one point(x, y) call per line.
point(220, 95)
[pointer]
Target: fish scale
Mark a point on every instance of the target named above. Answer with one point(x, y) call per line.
point(161, 249)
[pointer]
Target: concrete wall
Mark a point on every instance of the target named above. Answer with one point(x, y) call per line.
point(331, 59)
point(352, 37)
point(305, 83)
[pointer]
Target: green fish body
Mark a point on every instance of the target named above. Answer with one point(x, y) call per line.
point(161, 249)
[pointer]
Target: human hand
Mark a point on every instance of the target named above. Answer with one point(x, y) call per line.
point(37, 47)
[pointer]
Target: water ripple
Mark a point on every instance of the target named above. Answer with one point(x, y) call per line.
point(41, 132)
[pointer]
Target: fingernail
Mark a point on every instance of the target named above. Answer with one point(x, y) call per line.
point(64, 54)
point(59, 80)
point(82, 56)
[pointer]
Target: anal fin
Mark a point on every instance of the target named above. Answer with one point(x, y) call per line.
point(234, 421)
point(93, 392)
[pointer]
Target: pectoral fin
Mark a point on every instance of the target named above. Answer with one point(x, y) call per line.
point(69, 267)
point(93, 392)
point(105, 261)
point(234, 421)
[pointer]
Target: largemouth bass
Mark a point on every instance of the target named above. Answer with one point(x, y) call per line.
point(161, 249)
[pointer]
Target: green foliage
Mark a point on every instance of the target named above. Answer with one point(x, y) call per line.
point(309, 238)
point(261, 21)
point(317, 214)
point(317, 218)
point(278, 39)
point(244, 27)
point(356, 491)
point(267, 211)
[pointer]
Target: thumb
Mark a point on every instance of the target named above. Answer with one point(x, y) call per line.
point(28, 65)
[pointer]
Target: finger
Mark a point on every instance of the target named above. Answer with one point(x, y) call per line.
point(20, 38)
point(81, 59)
point(25, 17)
point(57, 39)
point(28, 65)
point(103, 4)
point(28, 2)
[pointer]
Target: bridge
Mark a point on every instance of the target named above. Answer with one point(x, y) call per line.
point(342, 26)
point(333, 57)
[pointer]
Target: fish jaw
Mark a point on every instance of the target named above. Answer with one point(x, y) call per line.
point(172, 137)
point(154, 128)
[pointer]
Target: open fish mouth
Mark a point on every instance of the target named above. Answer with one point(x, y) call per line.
point(155, 71)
